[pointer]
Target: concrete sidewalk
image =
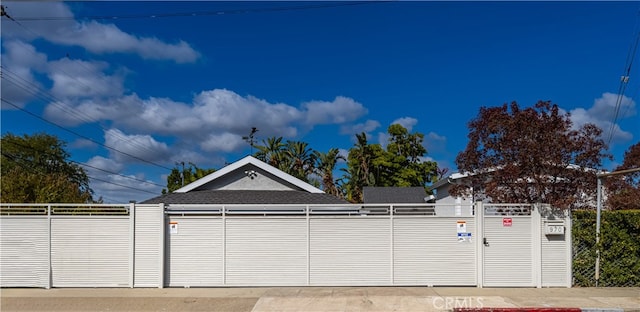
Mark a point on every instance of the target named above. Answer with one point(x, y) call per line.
point(316, 299)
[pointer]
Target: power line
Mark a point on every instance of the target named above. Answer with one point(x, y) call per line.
point(83, 136)
point(203, 13)
point(84, 164)
point(34, 89)
point(39, 92)
point(122, 185)
point(4, 13)
point(10, 157)
point(119, 174)
point(624, 80)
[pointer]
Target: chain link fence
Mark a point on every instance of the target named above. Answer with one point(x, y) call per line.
point(619, 249)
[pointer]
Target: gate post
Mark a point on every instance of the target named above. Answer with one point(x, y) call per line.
point(163, 243)
point(49, 261)
point(479, 220)
point(132, 242)
point(536, 244)
point(569, 243)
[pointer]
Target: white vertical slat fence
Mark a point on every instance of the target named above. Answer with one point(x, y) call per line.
point(278, 245)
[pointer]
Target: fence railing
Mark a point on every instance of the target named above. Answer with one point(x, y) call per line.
point(64, 209)
point(324, 210)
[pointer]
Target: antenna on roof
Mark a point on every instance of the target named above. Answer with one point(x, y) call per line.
point(249, 139)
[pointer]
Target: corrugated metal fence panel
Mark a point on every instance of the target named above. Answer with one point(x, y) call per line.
point(149, 229)
point(554, 259)
point(194, 251)
point(350, 251)
point(266, 251)
point(508, 258)
point(427, 252)
point(24, 252)
point(90, 251)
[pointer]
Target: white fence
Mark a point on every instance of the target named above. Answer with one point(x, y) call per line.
point(303, 245)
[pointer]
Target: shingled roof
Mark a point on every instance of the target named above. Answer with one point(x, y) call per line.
point(394, 195)
point(246, 197)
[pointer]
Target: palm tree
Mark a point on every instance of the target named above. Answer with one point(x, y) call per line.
point(362, 155)
point(325, 164)
point(271, 151)
point(300, 159)
point(350, 187)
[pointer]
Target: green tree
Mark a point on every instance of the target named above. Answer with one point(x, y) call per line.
point(325, 165)
point(404, 162)
point(531, 155)
point(359, 163)
point(180, 177)
point(401, 164)
point(299, 160)
point(36, 169)
point(271, 151)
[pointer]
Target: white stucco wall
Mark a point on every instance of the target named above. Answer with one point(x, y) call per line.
point(248, 177)
point(443, 197)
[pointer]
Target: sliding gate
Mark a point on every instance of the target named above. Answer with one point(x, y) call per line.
point(319, 246)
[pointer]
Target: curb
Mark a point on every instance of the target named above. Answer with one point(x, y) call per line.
point(534, 309)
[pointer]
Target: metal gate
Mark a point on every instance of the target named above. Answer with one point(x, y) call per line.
point(311, 245)
point(508, 257)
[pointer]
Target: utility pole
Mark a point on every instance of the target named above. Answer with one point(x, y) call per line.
point(598, 212)
point(250, 138)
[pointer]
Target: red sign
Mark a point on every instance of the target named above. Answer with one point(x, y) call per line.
point(507, 221)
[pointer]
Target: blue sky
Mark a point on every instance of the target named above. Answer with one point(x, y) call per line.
point(167, 89)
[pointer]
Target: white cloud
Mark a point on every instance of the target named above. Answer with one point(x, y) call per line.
point(77, 78)
point(224, 109)
point(91, 35)
point(434, 142)
point(366, 127)
point(602, 112)
point(104, 164)
point(604, 107)
point(340, 110)
point(407, 122)
point(225, 142)
point(107, 181)
point(122, 189)
point(108, 38)
point(344, 153)
point(383, 139)
point(83, 143)
point(19, 61)
point(221, 112)
point(132, 148)
point(213, 111)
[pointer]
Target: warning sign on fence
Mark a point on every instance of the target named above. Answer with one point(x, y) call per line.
point(462, 226)
point(463, 235)
point(507, 221)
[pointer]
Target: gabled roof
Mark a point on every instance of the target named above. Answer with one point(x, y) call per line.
point(394, 195)
point(243, 197)
point(249, 160)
